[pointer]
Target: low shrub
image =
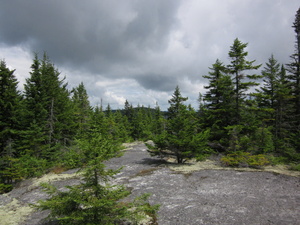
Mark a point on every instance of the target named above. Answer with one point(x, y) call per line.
point(245, 159)
point(295, 167)
point(30, 166)
point(4, 188)
point(71, 158)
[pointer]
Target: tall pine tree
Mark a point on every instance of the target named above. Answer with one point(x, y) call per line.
point(294, 75)
point(10, 105)
point(48, 121)
point(242, 81)
point(217, 112)
point(182, 138)
point(9, 124)
point(82, 109)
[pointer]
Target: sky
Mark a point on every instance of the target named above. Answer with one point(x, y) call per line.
point(140, 50)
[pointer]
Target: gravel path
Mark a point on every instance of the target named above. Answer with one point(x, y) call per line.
point(199, 197)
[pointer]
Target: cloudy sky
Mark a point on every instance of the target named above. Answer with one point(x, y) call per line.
point(141, 50)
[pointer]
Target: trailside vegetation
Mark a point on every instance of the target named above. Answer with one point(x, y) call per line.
point(249, 113)
point(94, 200)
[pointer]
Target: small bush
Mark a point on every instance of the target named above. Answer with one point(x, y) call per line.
point(202, 157)
point(4, 188)
point(30, 166)
point(295, 167)
point(245, 159)
point(275, 160)
point(71, 158)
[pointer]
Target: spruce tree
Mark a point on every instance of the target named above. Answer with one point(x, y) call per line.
point(266, 95)
point(182, 138)
point(283, 112)
point(10, 105)
point(121, 122)
point(9, 125)
point(242, 82)
point(217, 112)
point(48, 117)
point(129, 114)
point(294, 75)
point(35, 112)
point(158, 125)
point(95, 200)
point(82, 109)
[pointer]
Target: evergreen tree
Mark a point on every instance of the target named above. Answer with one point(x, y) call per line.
point(129, 114)
point(270, 74)
point(266, 96)
point(108, 111)
point(181, 138)
point(159, 123)
point(237, 69)
point(97, 119)
point(10, 105)
point(9, 124)
point(48, 121)
point(95, 201)
point(217, 113)
point(142, 123)
point(122, 134)
point(137, 123)
point(294, 75)
point(109, 123)
point(35, 112)
point(82, 109)
point(283, 112)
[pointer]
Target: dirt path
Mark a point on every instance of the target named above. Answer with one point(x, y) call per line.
point(206, 196)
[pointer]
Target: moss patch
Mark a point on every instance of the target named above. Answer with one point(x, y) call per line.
point(14, 213)
point(50, 177)
point(212, 165)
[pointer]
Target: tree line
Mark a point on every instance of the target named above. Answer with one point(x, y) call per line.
point(41, 126)
point(240, 112)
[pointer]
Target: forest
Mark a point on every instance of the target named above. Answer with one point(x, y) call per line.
point(249, 114)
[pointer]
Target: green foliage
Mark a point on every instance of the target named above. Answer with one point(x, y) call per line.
point(16, 169)
point(4, 188)
point(9, 108)
point(30, 166)
point(82, 109)
point(141, 209)
point(237, 68)
point(71, 157)
point(38, 129)
point(217, 112)
point(257, 141)
point(47, 117)
point(295, 167)
point(181, 139)
point(94, 201)
point(245, 159)
point(95, 146)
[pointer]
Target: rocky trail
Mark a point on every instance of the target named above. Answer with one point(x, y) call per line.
point(196, 193)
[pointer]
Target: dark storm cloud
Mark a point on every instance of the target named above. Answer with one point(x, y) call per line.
point(96, 35)
point(157, 82)
point(142, 49)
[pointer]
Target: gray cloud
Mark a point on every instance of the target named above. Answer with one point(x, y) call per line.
point(157, 82)
point(93, 34)
point(158, 44)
